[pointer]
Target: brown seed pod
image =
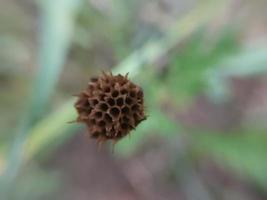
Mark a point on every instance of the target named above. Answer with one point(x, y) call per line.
point(110, 106)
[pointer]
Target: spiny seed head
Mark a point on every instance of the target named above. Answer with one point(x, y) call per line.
point(111, 106)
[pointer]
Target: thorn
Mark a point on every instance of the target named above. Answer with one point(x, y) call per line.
point(73, 121)
point(86, 93)
point(78, 106)
point(126, 75)
point(104, 73)
point(99, 143)
point(93, 80)
point(113, 146)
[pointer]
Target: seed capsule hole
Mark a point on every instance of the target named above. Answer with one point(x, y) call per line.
point(125, 110)
point(135, 107)
point(102, 123)
point(103, 107)
point(114, 111)
point(115, 93)
point(125, 119)
point(120, 101)
point(102, 97)
point(128, 101)
point(111, 102)
point(95, 102)
point(98, 114)
point(132, 94)
point(108, 118)
point(123, 91)
point(107, 90)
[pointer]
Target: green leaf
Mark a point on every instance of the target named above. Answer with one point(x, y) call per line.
point(188, 69)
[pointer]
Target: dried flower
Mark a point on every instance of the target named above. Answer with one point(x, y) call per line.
point(111, 106)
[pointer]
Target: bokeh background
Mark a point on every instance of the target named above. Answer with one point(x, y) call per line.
point(202, 65)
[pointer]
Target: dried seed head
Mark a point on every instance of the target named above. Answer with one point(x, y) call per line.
point(111, 106)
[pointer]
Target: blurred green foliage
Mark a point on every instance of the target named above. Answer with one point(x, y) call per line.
point(196, 63)
point(186, 75)
point(245, 152)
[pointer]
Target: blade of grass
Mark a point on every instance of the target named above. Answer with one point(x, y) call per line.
point(51, 129)
point(57, 23)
